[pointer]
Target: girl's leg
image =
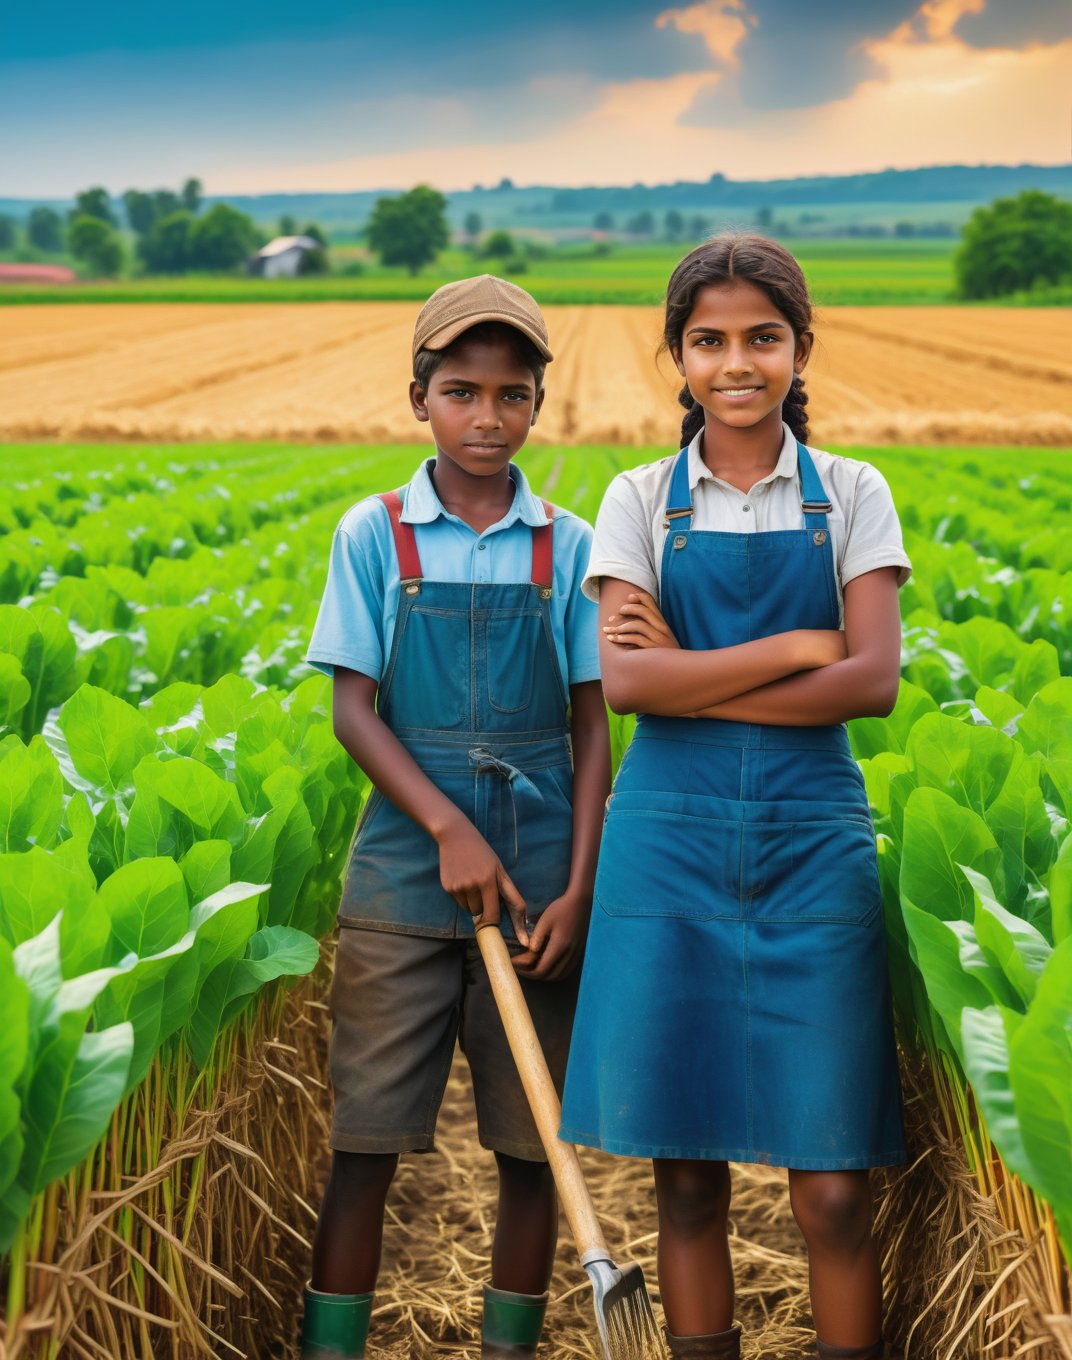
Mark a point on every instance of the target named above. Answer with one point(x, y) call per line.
point(349, 1231)
point(833, 1211)
point(695, 1273)
point(526, 1228)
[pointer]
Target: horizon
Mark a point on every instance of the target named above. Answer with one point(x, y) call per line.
point(338, 102)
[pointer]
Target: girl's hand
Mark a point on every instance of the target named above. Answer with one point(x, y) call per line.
point(556, 945)
point(472, 873)
point(639, 624)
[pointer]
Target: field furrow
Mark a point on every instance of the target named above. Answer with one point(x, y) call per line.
point(339, 371)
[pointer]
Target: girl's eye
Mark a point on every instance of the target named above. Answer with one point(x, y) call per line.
point(772, 338)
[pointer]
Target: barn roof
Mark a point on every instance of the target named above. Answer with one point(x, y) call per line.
point(281, 244)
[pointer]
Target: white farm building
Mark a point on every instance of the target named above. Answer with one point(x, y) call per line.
point(283, 257)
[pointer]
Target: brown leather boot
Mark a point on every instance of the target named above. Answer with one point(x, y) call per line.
point(715, 1346)
point(877, 1351)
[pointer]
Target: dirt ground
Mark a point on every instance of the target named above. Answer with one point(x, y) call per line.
point(340, 371)
point(437, 1251)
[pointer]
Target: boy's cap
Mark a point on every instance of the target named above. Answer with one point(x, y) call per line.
point(457, 306)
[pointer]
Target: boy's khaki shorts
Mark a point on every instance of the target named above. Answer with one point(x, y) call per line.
point(398, 1003)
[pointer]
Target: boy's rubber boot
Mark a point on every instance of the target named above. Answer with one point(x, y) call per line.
point(877, 1351)
point(335, 1326)
point(715, 1346)
point(512, 1324)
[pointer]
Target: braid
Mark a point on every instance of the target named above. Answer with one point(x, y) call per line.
point(793, 412)
point(693, 422)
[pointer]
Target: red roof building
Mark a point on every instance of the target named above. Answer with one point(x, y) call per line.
point(36, 273)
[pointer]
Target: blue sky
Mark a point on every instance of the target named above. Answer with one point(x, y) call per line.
point(334, 96)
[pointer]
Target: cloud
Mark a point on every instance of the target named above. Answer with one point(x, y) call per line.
point(722, 24)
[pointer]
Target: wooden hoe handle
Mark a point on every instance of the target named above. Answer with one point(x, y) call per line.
point(540, 1090)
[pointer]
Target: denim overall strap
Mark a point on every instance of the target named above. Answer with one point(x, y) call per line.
point(474, 691)
point(814, 502)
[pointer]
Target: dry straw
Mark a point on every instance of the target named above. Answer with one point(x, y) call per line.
point(188, 1233)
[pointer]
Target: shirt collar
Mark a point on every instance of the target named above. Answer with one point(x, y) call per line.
point(421, 505)
point(786, 465)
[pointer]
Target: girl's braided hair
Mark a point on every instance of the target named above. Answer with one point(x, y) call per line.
point(727, 258)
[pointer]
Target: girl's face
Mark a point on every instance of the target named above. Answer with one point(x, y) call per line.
point(739, 355)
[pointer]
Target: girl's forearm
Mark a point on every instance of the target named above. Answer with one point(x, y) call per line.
point(672, 682)
point(590, 736)
point(853, 688)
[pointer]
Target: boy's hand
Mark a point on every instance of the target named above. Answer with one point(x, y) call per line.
point(557, 941)
point(640, 624)
point(471, 871)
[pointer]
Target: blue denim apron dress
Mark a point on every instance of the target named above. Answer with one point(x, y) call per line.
point(735, 1001)
point(473, 691)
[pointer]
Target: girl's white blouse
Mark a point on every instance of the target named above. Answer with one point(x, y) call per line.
point(864, 528)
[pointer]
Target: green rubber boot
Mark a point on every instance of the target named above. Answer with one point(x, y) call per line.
point(335, 1326)
point(512, 1324)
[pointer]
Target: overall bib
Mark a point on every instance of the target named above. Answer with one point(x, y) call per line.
point(734, 1001)
point(473, 690)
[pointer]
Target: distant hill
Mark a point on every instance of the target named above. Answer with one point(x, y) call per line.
point(938, 197)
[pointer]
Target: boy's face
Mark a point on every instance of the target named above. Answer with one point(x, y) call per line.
point(481, 403)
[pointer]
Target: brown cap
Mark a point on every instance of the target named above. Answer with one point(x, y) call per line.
point(457, 306)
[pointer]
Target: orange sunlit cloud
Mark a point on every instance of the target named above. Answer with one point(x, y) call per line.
point(934, 99)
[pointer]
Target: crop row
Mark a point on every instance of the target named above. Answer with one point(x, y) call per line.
point(147, 770)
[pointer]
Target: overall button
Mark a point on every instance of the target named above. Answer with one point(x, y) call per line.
point(746, 507)
point(819, 537)
point(481, 546)
point(679, 541)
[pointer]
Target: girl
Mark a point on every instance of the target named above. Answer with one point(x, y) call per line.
point(734, 1002)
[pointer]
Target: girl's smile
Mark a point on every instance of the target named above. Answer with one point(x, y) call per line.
point(739, 356)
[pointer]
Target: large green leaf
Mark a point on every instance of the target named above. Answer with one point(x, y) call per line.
point(179, 802)
point(874, 736)
point(106, 738)
point(955, 971)
point(1018, 949)
point(14, 1047)
point(274, 951)
point(1059, 882)
point(206, 867)
point(37, 884)
point(139, 994)
point(224, 923)
point(147, 905)
point(31, 795)
point(14, 692)
point(1046, 727)
point(1040, 1069)
point(940, 835)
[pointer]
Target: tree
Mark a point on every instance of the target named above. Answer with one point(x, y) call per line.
point(221, 239)
point(674, 225)
point(641, 224)
point(96, 244)
point(1013, 244)
point(603, 221)
point(7, 232)
point(287, 225)
point(166, 248)
point(311, 229)
point(191, 196)
point(474, 225)
point(44, 229)
point(764, 217)
point(140, 210)
point(166, 202)
point(96, 203)
point(499, 245)
point(698, 227)
point(409, 230)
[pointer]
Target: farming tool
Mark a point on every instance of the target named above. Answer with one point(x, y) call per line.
point(627, 1329)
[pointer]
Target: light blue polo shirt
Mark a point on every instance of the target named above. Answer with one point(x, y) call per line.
point(356, 622)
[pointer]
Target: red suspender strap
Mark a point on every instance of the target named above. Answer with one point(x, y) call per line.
point(409, 562)
point(542, 538)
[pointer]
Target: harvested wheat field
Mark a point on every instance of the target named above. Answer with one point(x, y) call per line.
point(335, 370)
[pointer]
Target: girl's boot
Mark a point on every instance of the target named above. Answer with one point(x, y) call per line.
point(715, 1346)
point(873, 1352)
point(512, 1324)
point(335, 1326)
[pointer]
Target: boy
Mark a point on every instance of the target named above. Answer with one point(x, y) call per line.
point(465, 667)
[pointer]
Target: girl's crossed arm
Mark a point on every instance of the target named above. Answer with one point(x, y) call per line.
point(862, 682)
point(659, 677)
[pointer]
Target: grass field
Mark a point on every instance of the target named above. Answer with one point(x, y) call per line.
point(842, 271)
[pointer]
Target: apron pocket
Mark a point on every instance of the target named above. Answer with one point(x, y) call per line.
point(662, 863)
point(512, 647)
point(832, 876)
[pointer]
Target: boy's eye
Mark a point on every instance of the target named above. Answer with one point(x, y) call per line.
point(458, 392)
